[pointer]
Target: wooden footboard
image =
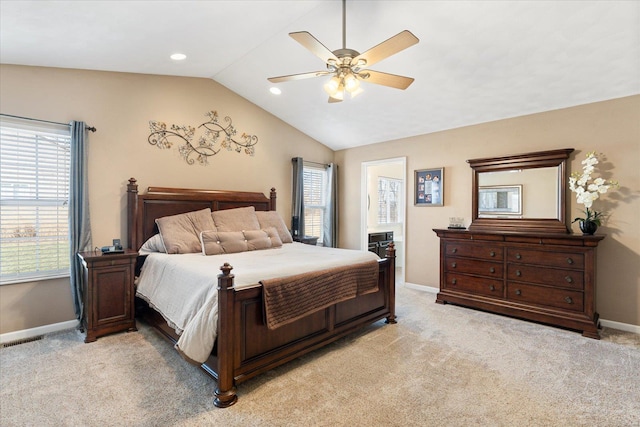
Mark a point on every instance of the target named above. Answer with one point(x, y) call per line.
point(245, 346)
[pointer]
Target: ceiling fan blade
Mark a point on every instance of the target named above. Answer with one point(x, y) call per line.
point(385, 79)
point(389, 47)
point(333, 100)
point(298, 76)
point(311, 43)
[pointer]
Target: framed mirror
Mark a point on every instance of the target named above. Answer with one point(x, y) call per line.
point(520, 193)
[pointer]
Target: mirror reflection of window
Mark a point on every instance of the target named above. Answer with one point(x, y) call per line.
point(540, 200)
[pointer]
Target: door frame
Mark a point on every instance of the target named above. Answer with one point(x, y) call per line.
point(363, 210)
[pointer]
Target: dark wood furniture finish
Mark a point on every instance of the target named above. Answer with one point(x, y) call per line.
point(548, 278)
point(379, 241)
point(108, 293)
point(245, 347)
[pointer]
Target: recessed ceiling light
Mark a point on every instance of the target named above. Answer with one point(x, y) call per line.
point(178, 56)
point(275, 90)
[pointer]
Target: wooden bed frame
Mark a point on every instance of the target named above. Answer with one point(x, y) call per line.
point(245, 347)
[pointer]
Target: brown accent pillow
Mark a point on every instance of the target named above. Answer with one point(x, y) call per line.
point(227, 242)
point(237, 219)
point(181, 233)
point(273, 219)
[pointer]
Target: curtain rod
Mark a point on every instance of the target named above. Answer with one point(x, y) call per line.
point(315, 163)
point(89, 128)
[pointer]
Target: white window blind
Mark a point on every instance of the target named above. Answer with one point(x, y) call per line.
point(34, 194)
point(389, 203)
point(315, 182)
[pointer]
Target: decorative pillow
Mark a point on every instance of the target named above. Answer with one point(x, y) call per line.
point(237, 219)
point(273, 234)
point(180, 233)
point(273, 219)
point(154, 244)
point(227, 242)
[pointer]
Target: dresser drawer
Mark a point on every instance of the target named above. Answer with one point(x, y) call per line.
point(546, 276)
point(476, 285)
point(545, 296)
point(482, 251)
point(473, 266)
point(546, 258)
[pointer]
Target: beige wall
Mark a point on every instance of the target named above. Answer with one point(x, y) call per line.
point(611, 127)
point(120, 106)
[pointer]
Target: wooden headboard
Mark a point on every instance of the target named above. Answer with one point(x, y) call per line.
point(143, 209)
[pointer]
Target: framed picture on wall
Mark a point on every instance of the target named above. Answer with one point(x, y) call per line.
point(429, 189)
point(498, 200)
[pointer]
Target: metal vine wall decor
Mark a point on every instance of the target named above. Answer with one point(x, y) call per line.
point(207, 144)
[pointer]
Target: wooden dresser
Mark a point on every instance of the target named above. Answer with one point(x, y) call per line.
point(548, 278)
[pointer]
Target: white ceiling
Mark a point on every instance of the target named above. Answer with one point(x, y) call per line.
point(477, 61)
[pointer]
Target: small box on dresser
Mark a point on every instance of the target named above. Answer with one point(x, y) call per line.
point(548, 278)
point(108, 293)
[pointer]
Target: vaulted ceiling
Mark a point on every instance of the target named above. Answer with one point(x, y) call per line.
point(477, 61)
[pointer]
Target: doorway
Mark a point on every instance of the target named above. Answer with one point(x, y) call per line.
point(383, 205)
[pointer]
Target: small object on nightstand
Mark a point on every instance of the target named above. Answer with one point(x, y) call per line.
point(307, 240)
point(108, 292)
point(456, 223)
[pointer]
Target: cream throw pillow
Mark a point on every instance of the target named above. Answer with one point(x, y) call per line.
point(237, 219)
point(273, 219)
point(181, 233)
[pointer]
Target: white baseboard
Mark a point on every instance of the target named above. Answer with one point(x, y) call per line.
point(422, 288)
point(34, 332)
point(627, 327)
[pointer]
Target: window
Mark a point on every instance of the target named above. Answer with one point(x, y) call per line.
point(315, 204)
point(389, 203)
point(34, 193)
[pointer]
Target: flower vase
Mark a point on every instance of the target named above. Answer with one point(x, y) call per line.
point(588, 227)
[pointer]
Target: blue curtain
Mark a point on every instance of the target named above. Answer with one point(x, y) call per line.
point(79, 225)
point(330, 226)
point(297, 202)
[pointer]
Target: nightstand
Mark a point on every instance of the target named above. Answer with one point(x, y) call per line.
point(108, 293)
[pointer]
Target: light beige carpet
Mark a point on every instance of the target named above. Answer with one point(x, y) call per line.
point(439, 366)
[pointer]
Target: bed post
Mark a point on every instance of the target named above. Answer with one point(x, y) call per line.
point(132, 214)
point(225, 391)
point(391, 256)
point(272, 197)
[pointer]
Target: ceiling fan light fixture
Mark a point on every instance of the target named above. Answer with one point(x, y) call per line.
point(332, 86)
point(351, 83)
point(356, 92)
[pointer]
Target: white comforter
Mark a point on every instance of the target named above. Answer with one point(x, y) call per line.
point(183, 288)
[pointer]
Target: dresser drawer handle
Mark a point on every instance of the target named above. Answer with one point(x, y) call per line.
point(518, 273)
point(454, 250)
point(568, 279)
point(518, 256)
point(492, 253)
point(569, 261)
point(568, 300)
point(492, 270)
point(454, 281)
point(518, 292)
point(492, 288)
point(454, 265)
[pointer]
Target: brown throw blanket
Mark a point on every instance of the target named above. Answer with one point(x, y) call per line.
point(290, 298)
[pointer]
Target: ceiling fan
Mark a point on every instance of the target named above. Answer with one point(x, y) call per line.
point(348, 67)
